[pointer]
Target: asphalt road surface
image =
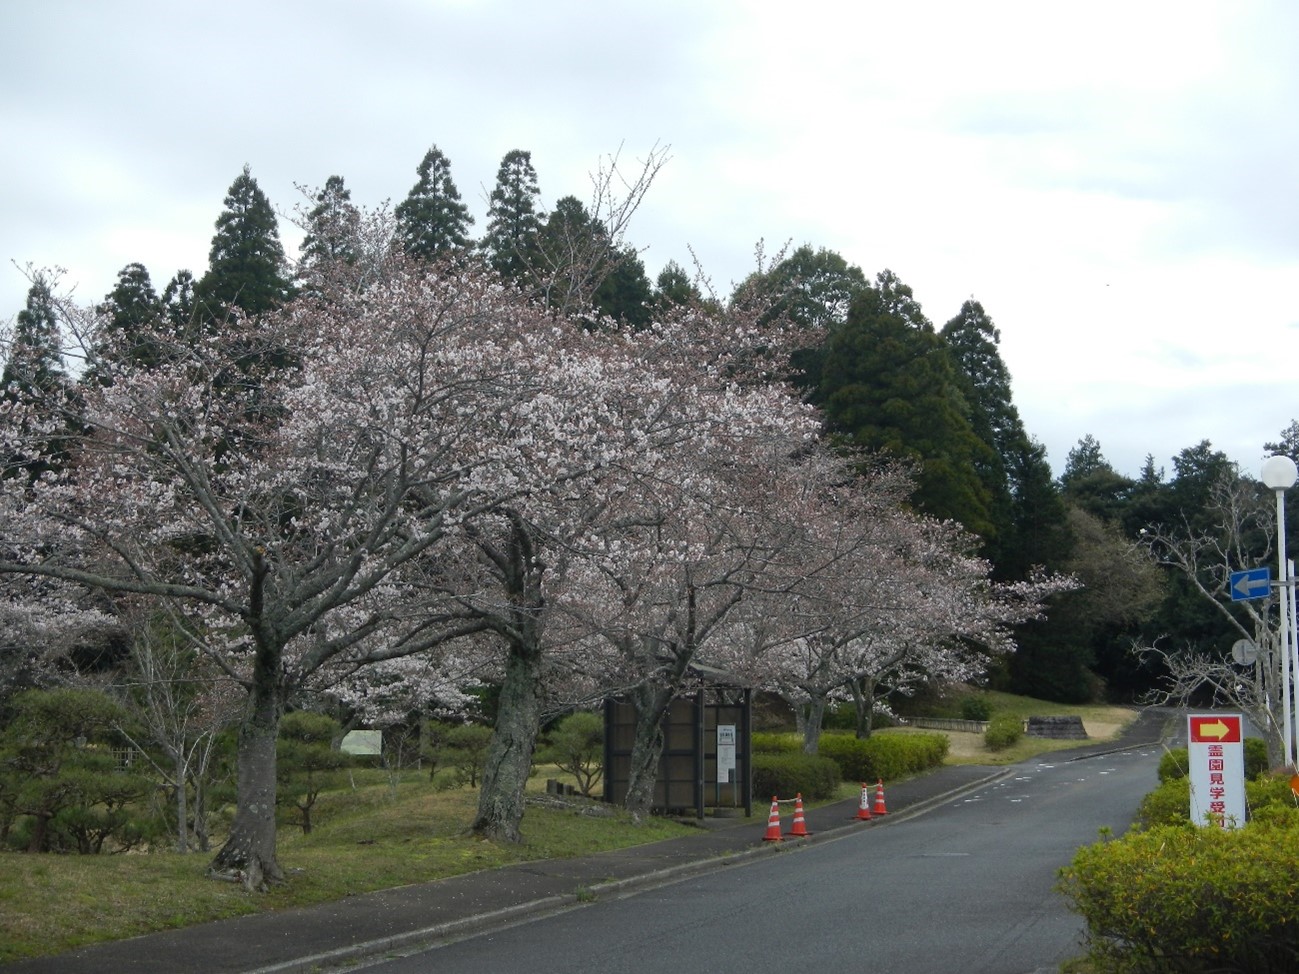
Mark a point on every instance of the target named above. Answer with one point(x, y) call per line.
point(967, 887)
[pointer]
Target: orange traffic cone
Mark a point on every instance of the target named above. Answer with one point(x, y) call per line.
point(773, 823)
point(879, 799)
point(799, 827)
point(864, 810)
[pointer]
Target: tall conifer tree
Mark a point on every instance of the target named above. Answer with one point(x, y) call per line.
point(35, 389)
point(432, 221)
point(332, 227)
point(1015, 471)
point(132, 313)
point(247, 268)
point(514, 219)
point(889, 384)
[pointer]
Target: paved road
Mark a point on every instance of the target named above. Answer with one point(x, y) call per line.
point(967, 887)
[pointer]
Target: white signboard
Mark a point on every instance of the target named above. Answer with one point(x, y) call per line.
point(725, 753)
point(1217, 772)
point(362, 742)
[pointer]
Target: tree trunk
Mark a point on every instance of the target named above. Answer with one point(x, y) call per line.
point(182, 805)
point(813, 719)
point(509, 756)
point(651, 705)
point(863, 698)
point(248, 855)
point(40, 833)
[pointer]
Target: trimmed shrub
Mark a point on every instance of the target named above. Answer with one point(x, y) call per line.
point(1190, 899)
point(1004, 730)
point(775, 742)
point(1175, 763)
point(1256, 763)
point(976, 708)
point(809, 775)
point(884, 755)
point(1169, 804)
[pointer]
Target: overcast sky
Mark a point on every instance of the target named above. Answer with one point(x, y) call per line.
point(1116, 182)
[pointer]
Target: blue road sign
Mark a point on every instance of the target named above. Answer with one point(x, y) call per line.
point(1252, 584)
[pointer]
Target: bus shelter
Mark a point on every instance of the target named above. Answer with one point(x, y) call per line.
point(705, 764)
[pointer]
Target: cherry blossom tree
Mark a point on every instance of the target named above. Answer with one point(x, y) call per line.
point(632, 416)
point(881, 599)
point(297, 515)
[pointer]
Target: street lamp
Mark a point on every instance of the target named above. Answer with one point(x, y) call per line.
point(1279, 474)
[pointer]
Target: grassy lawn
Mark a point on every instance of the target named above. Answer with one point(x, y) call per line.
point(1101, 723)
point(383, 833)
point(375, 837)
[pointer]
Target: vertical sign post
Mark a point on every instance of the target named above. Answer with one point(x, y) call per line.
point(1217, 757)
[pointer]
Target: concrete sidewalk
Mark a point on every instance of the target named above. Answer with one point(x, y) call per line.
point(315, 938)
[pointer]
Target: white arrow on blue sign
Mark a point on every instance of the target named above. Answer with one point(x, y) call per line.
point(1252, 584)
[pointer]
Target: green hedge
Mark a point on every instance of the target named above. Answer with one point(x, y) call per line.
point(1176, 761)
point(1192, 899)
point(776, 742)
point(884, 756)
point(786, 775)
point(1170, 803)
point(1004, 730)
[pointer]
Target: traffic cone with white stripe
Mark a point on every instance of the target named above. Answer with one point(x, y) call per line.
point(773, 823)
point(879, 799)
point(864, 809)
point(799, 827)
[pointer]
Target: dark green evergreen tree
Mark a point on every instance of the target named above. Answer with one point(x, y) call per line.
point(625, 293)
point(247, 268)
point(570, 258)
point(39, 398)
point(674, 288)
point(1027, 511)
point(133, 314)
point(514, 219)
point(432, 221)
point(812, 288)
point(1090, 483)
point(889, 384)
point(331, 229)
point(179, 303)
point(34, 366)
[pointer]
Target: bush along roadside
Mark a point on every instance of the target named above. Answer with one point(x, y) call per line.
point(884, 756)
point(1172, 895)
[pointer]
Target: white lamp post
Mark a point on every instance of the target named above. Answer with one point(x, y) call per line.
point(1279, 473)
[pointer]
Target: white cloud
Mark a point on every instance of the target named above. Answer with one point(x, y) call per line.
point(1113, 182)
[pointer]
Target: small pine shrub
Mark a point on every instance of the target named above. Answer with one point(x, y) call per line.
point(812, 776)
point(1004, 730)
